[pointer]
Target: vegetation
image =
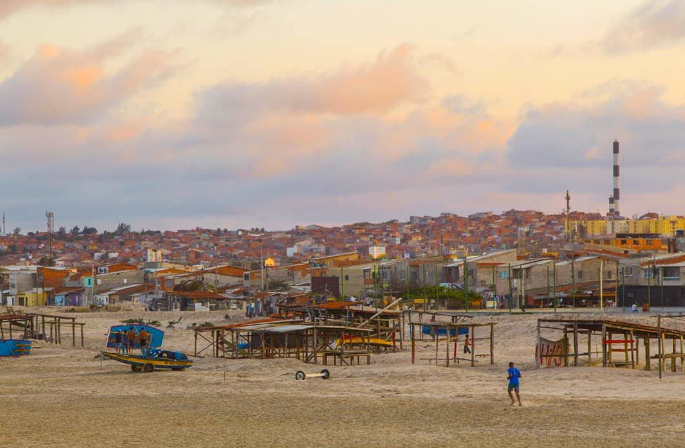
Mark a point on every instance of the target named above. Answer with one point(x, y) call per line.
point(154, 323)
point(190, 285)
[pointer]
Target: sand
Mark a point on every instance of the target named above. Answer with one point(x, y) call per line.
point(66, 397)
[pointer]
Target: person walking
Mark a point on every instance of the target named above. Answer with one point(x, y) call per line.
point(467, 345)
point(514, 375)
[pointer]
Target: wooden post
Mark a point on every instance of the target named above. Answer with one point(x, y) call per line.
point(682, 365)
point(413, 343)
point(625, 348)
point(658, 323)
point(73, 334)
point(648, 359)
point(589, 347)
point(447, 345)
point(316, 343)
point(632, 349)
point(473, 345)
point(575, 344)
point(437, 340)
point(492, 344)
point(673, 359)
point(564, 347)
point(537, 345)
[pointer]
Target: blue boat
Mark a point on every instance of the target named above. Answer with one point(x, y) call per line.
point(15, 347)
point(156, 335)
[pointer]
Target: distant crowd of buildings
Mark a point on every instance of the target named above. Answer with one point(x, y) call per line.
point(513, 259)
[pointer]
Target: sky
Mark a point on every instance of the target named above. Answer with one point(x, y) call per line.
point(170, 114)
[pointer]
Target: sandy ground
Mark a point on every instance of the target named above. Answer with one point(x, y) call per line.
point(66, 397)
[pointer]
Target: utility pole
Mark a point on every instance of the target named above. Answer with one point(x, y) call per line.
point(466, 282)
point(4, 230)
point(661, 278)
point(437, 288)
point(555, 286)
point(510, 288)
point(547, 283)
point(51, 227)
point(261, 261)
point(342, 283)
point(650, 274)
point(573, 279)
point(601, 284)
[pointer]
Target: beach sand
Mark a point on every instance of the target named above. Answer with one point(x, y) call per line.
point(61, 396)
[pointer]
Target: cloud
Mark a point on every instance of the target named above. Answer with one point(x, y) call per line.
point(652, 24)
point(561, 146)
point(569, 134)
point(374, 88)
point(8, 7)
point(59, 86)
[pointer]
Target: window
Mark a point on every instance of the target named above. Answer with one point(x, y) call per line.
point(99, 281)
point(671, 273)
point(627, 271)
point(608, 275)
point(527, 271)
point(503, 274)
point(580, 274)
point(649, 242)
point(623, 242)
point(647, 273)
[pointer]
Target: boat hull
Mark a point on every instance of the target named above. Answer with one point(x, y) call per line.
point(140, 362)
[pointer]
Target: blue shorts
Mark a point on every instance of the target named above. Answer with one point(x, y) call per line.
point(513, 387)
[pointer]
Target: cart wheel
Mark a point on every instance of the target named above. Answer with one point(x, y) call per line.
point(300, 375)
point(136, 368)
point(326, 374)
point(147, 368)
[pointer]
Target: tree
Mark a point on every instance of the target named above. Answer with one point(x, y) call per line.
point(17, 231)
point(75, 231)
point(123, 228)
point(62, 231)
point(46, 261)
point(89, 230)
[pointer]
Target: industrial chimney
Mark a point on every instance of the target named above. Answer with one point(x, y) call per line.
point(617, 182)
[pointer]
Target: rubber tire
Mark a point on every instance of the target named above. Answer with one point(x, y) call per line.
point(147, 368)
point(136, 368)
point(300, 375)
point(326, 374)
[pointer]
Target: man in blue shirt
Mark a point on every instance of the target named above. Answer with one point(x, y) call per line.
point(513, 376)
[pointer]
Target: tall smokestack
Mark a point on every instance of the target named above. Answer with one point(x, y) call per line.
point(617, 180)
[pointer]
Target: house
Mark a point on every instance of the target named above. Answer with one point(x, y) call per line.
point(66, 296)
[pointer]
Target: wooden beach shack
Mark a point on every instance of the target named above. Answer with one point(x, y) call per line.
point(447, 334)
point(310, 342)
point(611, 343)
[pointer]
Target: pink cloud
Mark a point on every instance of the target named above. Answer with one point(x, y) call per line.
point(373, 88)
point(57, 85)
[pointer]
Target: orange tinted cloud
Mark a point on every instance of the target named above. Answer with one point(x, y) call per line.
point(8, 7)
point(59, 86)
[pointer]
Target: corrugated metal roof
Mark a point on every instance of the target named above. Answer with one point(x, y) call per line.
point(286, 328)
